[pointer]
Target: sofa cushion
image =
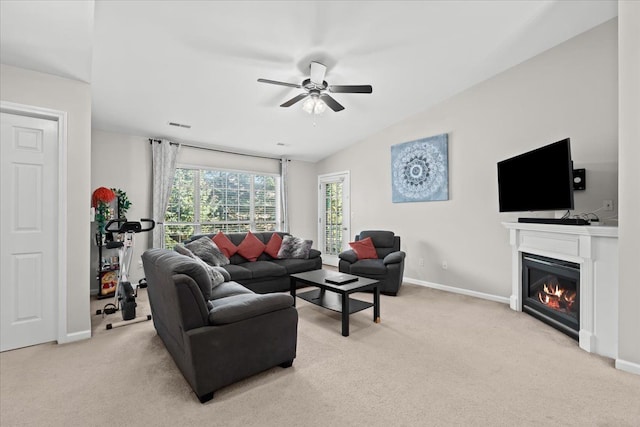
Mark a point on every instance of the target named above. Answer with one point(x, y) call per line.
point(273, 246)
point(293, 265)
point(381, 239)
point(244, 306)
point(251, 247)
point(207, 250)
point(364, 248)
point(261, 269)
point(238, 272)
point(368, 266)
point(228, 289)
point(225, 245)
point(294, 247)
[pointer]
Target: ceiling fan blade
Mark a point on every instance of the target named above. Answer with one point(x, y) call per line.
point(295, 99)
point(351, 89)
point(332, 103)
point(274, 82)
point(318, 71)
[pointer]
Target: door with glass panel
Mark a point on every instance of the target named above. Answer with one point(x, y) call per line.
point(333, 215)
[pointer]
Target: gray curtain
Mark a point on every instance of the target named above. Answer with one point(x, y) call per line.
point(284, 187)
point(165, 154)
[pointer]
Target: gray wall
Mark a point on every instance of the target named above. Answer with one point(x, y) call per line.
point(629, 250)
point(124, 162)
point(568, 91)
point(303, 200)
point(43, 90)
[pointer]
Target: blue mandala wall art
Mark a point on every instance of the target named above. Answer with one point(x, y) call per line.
point(420, 170)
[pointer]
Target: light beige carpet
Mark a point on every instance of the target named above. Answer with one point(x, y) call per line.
point(436, 359)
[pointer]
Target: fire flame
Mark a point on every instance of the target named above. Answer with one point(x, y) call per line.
point(556, 297)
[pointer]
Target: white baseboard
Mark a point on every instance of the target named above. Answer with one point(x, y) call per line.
point(75, 336)
point(490, 297)
point(631, 367)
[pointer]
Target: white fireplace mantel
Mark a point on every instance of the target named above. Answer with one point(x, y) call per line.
point(595, 249)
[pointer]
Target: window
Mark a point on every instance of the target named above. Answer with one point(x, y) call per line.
point(207, 201)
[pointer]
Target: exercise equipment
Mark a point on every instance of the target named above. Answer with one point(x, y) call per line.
point(125, 294)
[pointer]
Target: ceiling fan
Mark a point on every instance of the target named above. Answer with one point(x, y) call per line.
point(316, 88)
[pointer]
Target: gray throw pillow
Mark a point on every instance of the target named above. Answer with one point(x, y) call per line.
point(205, 249)
point(182, 250)
point(215, 276)
point(194, 268)
point(294, 247)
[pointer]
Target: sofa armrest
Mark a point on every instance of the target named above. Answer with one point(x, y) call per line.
point(245, 306)
point(192, 310)
point(314, 253)
point(349, 256)
point(394, 258)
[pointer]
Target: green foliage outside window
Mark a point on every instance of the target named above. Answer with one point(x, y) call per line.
point(181, 202)
point(333, 219)
point(206, 201)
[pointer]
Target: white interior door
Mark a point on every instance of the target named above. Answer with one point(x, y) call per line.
point(28, 231)
point(333, 216)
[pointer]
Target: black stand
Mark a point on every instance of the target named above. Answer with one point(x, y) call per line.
point(109, 269)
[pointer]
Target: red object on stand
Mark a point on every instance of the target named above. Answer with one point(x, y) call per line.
point(102, 195)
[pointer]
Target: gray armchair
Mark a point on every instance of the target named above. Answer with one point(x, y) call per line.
point(388, 268)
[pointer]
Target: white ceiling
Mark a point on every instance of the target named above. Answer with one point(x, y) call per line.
point(197, 62)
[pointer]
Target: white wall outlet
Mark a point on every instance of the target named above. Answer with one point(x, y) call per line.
point(445, 265)
point(92, 214)
point(608, 205)
point(421, 262)
point(140, 264)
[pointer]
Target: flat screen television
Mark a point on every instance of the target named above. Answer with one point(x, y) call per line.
point(538, 180)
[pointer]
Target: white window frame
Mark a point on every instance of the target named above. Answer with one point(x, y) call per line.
point(252, 223)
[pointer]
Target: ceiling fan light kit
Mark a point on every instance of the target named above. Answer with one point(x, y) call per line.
point(314, 105)
point(317, 99)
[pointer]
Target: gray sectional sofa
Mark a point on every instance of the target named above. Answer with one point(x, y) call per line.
point(267, 274)
point(218, 334)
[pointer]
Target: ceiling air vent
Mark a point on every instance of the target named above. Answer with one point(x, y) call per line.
point(179, 125)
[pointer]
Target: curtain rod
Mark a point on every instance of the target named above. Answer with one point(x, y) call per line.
point(151, 141)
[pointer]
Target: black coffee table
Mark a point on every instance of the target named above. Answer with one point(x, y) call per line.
point(337, 299)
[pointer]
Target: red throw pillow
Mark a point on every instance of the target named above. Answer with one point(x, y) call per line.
point(251, 247)
point(364, 249)
point(224, 244)
point(273, 245)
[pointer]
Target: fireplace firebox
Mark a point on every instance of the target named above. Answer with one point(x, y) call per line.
point(551, 292)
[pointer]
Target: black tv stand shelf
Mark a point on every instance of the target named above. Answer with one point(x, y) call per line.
point(559, 221)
